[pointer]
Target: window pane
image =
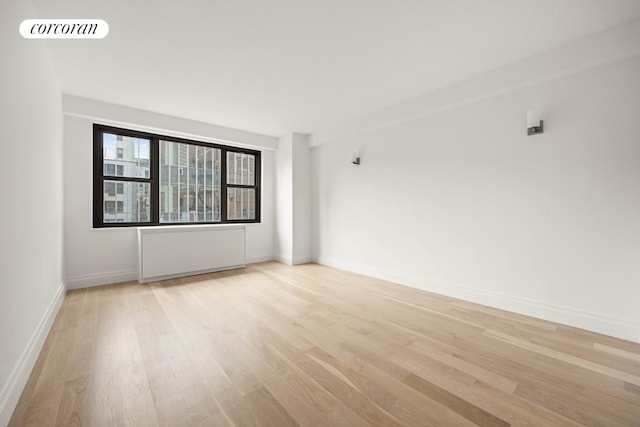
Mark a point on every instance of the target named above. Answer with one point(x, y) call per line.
point(240, 168)
point(241, 203)
point(189, 182)
point(126, 156)
point(217, 204)
point(110, 189)
point(128, 202)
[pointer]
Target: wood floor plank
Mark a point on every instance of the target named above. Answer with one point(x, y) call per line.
point(562, 356)
point(617, 351)
point(308, 403)
point(325, 375)
point(275, 345)
point(457, 404)
point(512, 410)
point(76, 403)
point(44, 403)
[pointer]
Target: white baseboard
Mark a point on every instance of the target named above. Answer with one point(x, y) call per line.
point(98, 279)
point(89, 280)
point(595, 322)
point(284, 259)
point(289, 260)
point(302, 260)
point(11, 391)
point(256, 258)
point(189, 273)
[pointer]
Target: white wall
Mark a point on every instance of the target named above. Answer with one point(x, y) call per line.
point(461, 202)
point(98, 256)
point(284, 200)
point(32, 285)
point(301, 183)
point(293, 199)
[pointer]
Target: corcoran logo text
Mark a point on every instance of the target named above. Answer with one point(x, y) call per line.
point(64, 29)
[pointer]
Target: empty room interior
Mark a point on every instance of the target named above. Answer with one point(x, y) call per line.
point(320, 213)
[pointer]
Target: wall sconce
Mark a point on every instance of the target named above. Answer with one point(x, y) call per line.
point(534, 124)
point(355, 158)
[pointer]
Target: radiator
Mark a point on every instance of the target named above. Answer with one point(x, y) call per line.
point(175, 251)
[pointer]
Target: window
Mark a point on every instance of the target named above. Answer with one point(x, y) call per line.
point(240, 186)
point(190, 182)
point(147, 179)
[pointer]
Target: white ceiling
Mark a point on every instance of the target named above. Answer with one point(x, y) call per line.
point(276, 66)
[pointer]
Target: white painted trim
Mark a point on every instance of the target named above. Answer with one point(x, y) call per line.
point(302, 260)
point(256, 258)
point(97, 279)
point(284, 259)
point(107, 278)
point(16, 382)
point(191, 273)
point(591, 321)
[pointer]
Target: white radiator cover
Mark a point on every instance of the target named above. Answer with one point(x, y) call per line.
point(175, 251)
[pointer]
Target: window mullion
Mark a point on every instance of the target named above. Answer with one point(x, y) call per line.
point(223, 186)
point(155, 180)
point(98, 178)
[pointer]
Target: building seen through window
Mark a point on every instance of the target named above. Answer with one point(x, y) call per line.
point(126, 156)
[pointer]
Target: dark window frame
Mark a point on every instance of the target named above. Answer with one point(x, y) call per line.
point(154, 178)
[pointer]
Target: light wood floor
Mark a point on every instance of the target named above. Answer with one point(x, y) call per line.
point(277, 346)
